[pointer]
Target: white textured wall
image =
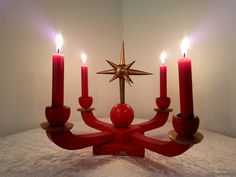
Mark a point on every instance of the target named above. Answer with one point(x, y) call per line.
point(26, 45)
point(151, 26)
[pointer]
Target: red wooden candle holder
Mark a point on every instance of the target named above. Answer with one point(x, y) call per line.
point(122, 137)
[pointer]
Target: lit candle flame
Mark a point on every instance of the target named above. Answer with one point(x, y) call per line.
point(84, 58)
point(59, 42)
point(184, 46)
point(163, 58)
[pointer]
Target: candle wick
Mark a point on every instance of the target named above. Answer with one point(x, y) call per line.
point(184, 55)
point(58, 50)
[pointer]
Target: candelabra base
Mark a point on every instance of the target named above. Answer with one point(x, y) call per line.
point(127, 149)
point(122, 137)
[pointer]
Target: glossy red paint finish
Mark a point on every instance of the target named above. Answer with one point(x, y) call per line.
point(113, 140)
point(57, 116)
point(185, 127)
point(85, 102)
point(122, 115)
point(163, 102)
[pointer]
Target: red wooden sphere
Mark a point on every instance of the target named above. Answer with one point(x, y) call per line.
point(122, 115)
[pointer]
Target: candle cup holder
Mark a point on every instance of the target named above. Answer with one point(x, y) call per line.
point(57, 116)
point(163, 102)
point(185, 130)
point(85, 102)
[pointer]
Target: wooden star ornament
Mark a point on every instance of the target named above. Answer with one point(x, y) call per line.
point(123, 72)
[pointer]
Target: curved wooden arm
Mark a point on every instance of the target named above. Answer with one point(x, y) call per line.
point(157, 121)
point(70, 141)
point(166, 148)
point(93, 122)
point(64, 138)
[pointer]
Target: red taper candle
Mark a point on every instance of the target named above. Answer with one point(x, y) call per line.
point(84, 76)
point(185, 83)
point(58, 75)
point(163, 76)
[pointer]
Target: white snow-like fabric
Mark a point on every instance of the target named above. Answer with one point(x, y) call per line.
point(32, 154)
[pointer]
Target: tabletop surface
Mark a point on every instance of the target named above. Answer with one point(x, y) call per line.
point(31, 154)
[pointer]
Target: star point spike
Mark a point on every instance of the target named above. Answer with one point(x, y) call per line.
point(109, 71)
point(128, 80)
point(114, 77)
point(138, 72)
point(122, 54)
point(129, 65)
point(113, 65)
